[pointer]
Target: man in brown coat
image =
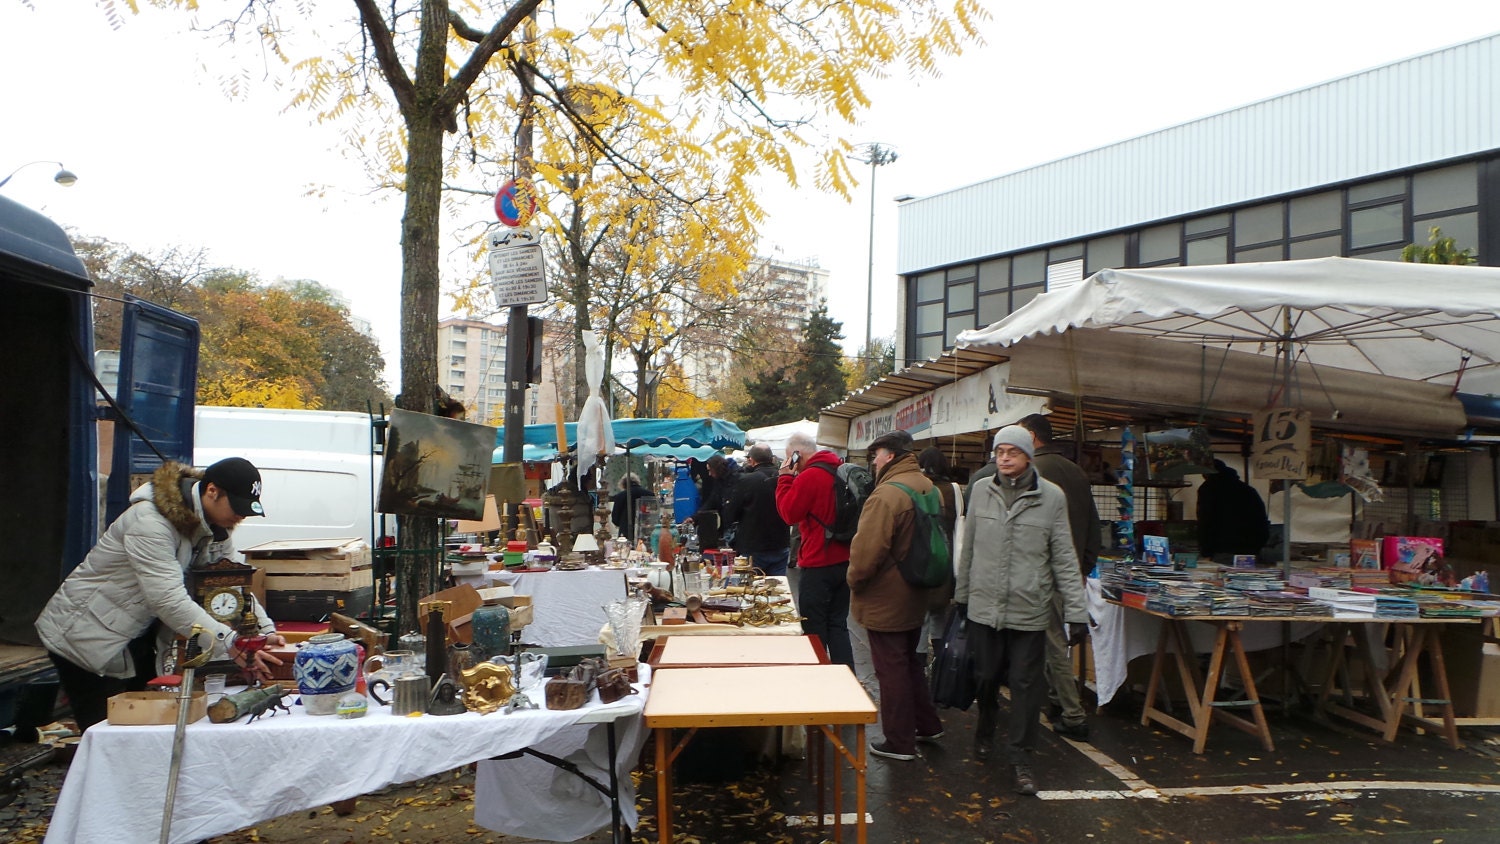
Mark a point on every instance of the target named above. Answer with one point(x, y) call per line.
point(889, 608)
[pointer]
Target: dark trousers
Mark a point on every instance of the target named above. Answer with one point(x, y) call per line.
point(89, 693)
point(1019, 657)
point(906, 709)
point(823, 600)
point(773, 563)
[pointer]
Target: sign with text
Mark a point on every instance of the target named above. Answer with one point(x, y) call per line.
point(1283, 438)
point(518, 272)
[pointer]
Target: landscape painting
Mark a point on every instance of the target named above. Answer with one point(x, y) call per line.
point(435, 466)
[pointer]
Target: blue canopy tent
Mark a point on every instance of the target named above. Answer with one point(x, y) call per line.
point(680, 438)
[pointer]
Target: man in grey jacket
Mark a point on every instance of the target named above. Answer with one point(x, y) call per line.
point(1018, 552)
point(99, 625)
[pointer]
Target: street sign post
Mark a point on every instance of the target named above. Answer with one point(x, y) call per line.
point(518, 272)
point(515, 203)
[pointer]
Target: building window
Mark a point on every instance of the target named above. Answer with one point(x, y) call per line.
point(1377, 226)
point(1105, 253)
point(1261, 224)
point(1316, 214)
point(1444, 190)
point(1160, 243)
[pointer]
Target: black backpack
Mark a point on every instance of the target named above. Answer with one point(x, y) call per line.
point(929, 563)
point(851, 486)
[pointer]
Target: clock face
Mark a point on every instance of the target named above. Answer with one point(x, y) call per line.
point(224, 604)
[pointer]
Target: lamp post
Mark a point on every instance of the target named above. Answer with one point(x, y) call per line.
point(874, 154)
point(64, 177)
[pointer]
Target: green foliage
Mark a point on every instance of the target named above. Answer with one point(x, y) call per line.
point(813, 380)
point(873, 363)
point(1439, 250)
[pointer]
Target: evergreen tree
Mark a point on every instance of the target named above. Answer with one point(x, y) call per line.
point(770, 400)
point(818, 375)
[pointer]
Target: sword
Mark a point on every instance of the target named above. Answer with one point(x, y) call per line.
point(184, 702)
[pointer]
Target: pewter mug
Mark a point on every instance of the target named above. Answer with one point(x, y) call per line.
point(411, 693)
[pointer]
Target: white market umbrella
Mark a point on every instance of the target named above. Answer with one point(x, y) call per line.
point(1435, 324)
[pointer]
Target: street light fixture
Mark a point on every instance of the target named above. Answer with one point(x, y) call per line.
point(64, 177)
point(874, 154)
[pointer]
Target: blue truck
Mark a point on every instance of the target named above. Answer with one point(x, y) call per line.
point(57, 492)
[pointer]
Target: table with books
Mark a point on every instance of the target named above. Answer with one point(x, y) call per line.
point(1174, 603)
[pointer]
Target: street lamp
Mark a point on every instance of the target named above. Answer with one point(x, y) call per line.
point(874, 154)
point(64, 177)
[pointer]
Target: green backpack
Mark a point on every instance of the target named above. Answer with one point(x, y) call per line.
point(929, 563)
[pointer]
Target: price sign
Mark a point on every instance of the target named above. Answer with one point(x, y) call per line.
point(1283, 436)
point(518, 272)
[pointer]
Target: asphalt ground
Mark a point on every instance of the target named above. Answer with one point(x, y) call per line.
point(1324, 782)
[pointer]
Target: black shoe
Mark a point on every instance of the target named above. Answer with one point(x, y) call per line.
point(1025, 782)
point(884, 749)
point(1076, 732)
point(1053, 712)
point(932, 739)
point(983, 747)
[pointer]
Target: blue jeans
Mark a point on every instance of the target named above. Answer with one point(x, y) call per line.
point(771, 562)
point(823, 600)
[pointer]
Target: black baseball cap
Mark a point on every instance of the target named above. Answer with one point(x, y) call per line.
point(240, 480)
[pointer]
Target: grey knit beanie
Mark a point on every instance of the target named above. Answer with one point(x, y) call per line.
point(1017, 436)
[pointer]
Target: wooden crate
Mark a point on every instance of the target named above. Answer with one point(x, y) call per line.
point(135, 708)
point(344, 582)
point(310, 556)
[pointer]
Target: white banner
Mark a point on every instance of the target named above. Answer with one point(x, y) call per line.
point(976, 403)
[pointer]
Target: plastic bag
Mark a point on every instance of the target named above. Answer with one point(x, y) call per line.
point(953, 682)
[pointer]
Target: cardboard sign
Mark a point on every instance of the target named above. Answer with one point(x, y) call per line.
point(1283, 436)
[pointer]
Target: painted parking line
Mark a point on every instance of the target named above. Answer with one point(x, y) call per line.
point(1344, 790)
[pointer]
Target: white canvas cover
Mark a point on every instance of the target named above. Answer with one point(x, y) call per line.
point(1409, 321)
point(776, 436)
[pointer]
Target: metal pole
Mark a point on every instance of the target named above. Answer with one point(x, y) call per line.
point(517, 343)
point(874, 154)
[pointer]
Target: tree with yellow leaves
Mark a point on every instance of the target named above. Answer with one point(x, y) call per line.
point(740, 83)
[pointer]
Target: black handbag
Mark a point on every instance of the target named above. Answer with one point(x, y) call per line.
point(953, 682)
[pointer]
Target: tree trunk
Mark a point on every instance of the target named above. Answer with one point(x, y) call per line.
point(417, 566)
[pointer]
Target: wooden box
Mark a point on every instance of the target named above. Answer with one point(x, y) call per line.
point(309, 556)
point(137, 708)
point(317, 604)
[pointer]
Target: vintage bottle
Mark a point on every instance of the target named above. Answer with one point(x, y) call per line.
point(491, 626)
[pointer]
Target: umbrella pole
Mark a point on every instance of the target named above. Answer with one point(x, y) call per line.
point(1286, 519)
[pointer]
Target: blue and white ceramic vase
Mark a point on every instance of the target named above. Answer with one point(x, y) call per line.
point(491, 627)
point(327, 666)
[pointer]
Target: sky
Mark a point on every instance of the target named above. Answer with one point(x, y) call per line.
point(165, 159)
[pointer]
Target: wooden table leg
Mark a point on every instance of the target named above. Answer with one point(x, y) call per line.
point(1440, 677)
point(815, 748)
point(838, 788)
point(1241, 661)
point(861, 764)
point(1156, 672)
point(663, 785)
point(1404, 682)
point(1203, 715)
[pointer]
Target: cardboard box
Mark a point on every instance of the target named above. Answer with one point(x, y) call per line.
point(137, 708)
point(1473, 672)
point(520, 616)
point(1487, 704)
point(462, 600)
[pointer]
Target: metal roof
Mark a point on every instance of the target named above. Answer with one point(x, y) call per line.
point(914, 380)
point(1434, 107)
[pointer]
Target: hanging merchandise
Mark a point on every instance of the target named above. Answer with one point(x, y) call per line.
point(1125, 496)
point(1173, 453)
point(1355, 473)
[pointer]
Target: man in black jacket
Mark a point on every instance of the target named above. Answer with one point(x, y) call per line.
point(1065, 708)
point(760, 533)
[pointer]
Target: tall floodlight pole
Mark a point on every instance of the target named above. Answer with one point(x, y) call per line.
point(874, 154)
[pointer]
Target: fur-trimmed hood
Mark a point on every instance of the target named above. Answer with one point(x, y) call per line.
point(171, 492)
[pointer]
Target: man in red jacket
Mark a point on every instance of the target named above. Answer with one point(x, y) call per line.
point(805, 498)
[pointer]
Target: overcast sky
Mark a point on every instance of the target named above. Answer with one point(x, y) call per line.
point(164, 158)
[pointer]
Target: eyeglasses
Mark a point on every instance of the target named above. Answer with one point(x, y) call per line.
point(1009, 451)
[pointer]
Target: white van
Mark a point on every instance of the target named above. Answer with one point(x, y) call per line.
point(319, 474)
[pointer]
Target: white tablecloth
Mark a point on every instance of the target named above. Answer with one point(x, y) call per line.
point(567, 606)
point(1123, 635)
point(240, 774)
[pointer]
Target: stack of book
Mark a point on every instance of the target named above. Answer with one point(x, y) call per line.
point(1254, 580)
point(1284, 603)
point(1380, 605)
point(1368, 578)
point(1323, 577)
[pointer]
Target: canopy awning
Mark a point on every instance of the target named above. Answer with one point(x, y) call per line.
point(679, 438)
